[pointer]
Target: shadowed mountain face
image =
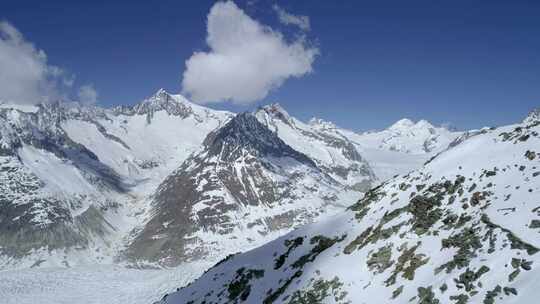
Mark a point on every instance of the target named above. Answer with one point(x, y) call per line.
point(36, 214)
point(245, 186)
point(247, 133)
point(462, 229)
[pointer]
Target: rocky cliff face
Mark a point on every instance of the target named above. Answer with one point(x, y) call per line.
point(462, 229)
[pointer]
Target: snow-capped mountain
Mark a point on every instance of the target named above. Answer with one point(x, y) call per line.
point(462, 229)
point(332, 152)
point(147, 140)
point(75, 178)
point(403, 147)
point(245, 187)
point(410, 137)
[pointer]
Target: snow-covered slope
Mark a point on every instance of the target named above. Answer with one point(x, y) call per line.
point(409, 137)
point(245, 187)
point(54, 192)
point(92, 284)
point(462, 229)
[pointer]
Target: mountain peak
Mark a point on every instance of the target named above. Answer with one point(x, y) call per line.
point(277, 111)
point(176, 105)
point(162, 96)
point(245, 132)
point(533, 116)
point(275, 108)
point(161, 91)
point(424, 124)
point(406, 124)
point(401, 124)
point(321, 123)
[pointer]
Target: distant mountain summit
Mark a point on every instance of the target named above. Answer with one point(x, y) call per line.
point(175, 105)
point(322, 124)
point(246, 133)
point(172, 104)
point(533, 117)
point(402, 124)
point(409, 137)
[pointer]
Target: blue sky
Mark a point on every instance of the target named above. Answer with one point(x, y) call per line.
point(468, 63)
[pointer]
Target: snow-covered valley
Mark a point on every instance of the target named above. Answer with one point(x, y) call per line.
point(93, 284)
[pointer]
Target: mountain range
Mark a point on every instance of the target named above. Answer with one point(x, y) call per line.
point(166, 181)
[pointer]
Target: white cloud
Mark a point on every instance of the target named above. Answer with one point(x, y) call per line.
point(286, 18)
point(87, 94)
point(246, 59)
point(25, 75)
